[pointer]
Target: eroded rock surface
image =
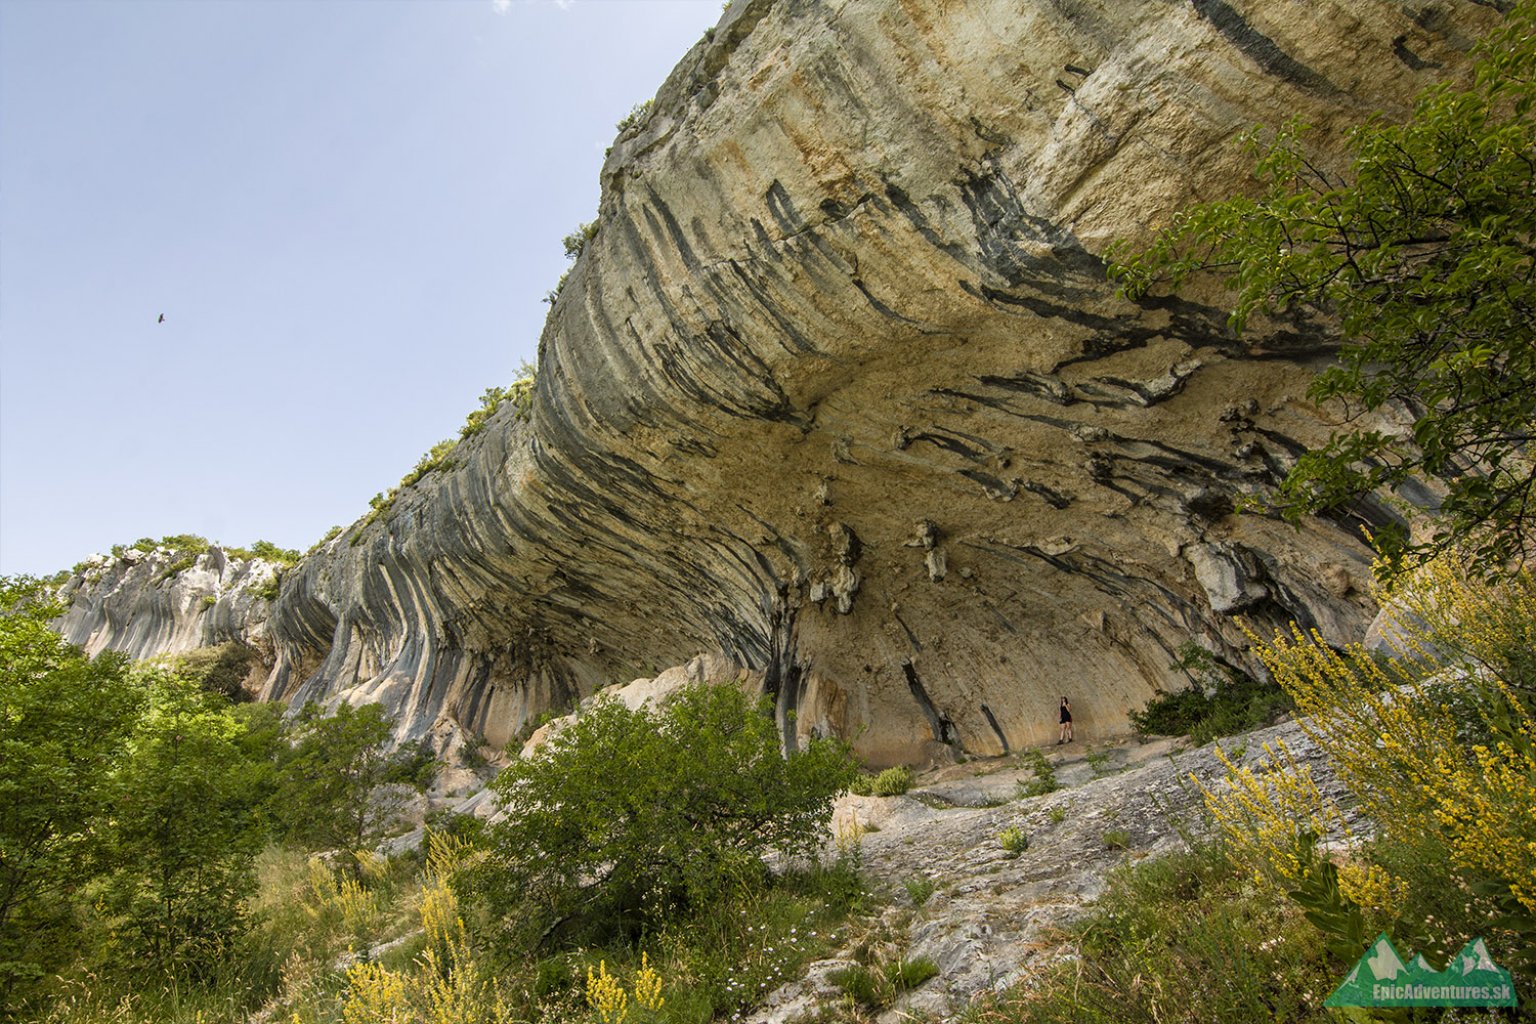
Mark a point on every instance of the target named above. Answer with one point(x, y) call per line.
point(848, 278)
point(994, 918)
point(165, 601)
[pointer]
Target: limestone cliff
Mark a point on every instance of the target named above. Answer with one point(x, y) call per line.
point(165, 601)
point(838, 389)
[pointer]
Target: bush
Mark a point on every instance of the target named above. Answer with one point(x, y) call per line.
point(627, 818)
point(892, 782)
point(1222, 702)
point(1013, 840)
point(637, 116)
point(1044, 780)
point(577, 240)
point(1455, 839)
point(220, 669)
point(920, 889)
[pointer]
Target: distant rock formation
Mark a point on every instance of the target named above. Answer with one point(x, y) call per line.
point(164, 601)
point(838, 390)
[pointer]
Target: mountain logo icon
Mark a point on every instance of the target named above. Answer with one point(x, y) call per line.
point(1382, 979)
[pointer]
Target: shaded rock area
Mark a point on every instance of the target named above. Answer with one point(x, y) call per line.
point(993, 918)
point(847, 278)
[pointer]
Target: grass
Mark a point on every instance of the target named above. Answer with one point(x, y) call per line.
point(1116, 839)
point(878, 987)
point(920, 889)
point(306, 916)
point(1098, 762)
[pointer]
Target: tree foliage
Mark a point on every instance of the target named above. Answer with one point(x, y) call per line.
point(1423, 254)
point(326, 791)
point(626, 817)
point(65, 719)
point(183, 835)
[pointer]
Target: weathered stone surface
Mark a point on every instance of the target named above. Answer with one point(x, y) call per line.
point(993, 918)
point(847, 277)
point(151, 602)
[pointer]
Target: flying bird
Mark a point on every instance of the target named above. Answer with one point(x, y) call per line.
point(161, 320)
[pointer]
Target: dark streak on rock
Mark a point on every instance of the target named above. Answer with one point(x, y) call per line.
point(1261, 49)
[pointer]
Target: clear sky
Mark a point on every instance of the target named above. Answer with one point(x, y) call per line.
point(347, 210)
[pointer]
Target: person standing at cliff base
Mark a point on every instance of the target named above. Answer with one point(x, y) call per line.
point(1066, 722)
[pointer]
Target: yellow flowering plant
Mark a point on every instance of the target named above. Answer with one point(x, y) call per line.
point(1436, 745)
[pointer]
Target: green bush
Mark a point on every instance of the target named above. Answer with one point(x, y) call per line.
point(1014, 840)
point(637, 116)
point(1044, 780)
point(1222, 702)
point(1116, 839)
point(267, 589)
point(892, 782)
point(220, 669)
point(920, 889)
point(577, 240)
point(627, 819)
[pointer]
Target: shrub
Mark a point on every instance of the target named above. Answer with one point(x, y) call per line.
point(220, 669)
point(1116, 839)
point(920, 889)
point(892, 782)
point(637, 116)
point(627, 818)
point(330, 535)
point(1013, 840)
point(435, 458)
point(1222, 701)
point(414, 765)
point(267, 589)
point(1456, 839)
point(577, 240)
point(1044, 780)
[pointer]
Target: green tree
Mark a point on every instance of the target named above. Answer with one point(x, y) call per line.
point(1422, 252)
point(626, 817)
point(64, 724)
point(327, 788)
point(184, 835)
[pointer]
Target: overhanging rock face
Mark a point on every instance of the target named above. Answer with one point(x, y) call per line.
point(839, 390)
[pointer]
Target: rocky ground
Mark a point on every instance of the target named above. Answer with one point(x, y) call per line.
point(993, 917)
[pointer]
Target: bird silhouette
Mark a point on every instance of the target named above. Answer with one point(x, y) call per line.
point(161, 320)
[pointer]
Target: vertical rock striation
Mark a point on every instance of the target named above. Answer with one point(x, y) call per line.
point(839, 391)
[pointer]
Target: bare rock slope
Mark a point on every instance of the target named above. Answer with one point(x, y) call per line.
point(838, 390)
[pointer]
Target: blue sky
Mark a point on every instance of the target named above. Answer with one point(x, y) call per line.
point(348, 211)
